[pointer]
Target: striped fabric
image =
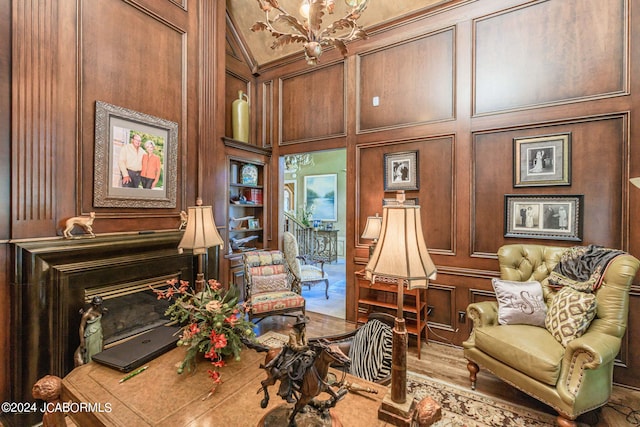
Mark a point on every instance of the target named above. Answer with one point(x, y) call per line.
point(370, 351)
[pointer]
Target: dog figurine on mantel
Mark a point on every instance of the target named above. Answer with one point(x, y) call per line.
point(82, 221)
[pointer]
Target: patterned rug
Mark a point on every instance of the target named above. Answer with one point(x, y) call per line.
point(462, 407)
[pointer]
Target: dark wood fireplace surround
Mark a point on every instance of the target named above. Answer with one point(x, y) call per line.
point(48, 290)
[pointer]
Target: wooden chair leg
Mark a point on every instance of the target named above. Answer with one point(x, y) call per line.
point(473, 371)
point(563, 421)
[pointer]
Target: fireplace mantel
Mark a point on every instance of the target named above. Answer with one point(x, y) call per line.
point(48, 290)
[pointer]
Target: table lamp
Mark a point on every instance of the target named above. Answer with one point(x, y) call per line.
point(401, 253)
point(200, 234)
point(372, 231)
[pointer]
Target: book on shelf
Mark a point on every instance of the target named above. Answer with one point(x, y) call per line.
point(253, 195)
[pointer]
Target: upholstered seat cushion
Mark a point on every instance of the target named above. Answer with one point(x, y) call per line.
point(529, 349)
point(273, 301)
point(310, 272)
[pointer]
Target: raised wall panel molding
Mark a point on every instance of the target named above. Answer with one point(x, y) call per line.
point(312, 104)
point(539, 64)
point(34, 117)
point(408, 83)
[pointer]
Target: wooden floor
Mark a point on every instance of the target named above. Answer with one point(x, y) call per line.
point(448, 364)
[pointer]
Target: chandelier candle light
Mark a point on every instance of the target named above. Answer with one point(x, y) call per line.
point(309, 31)
point(401, 253)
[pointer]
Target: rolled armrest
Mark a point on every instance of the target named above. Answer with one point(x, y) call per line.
point(483, 313)
point(590, 351)
point(604, 348)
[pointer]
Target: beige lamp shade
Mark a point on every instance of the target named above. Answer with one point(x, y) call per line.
point(201, 232)
point(635, 181)
point(401, 251)
point(372, 227)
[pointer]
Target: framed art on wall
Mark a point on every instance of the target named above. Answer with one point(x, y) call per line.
point(542, 160)
point(544, 217)
point(320, 192)
point(401, 171)
point(136, 158)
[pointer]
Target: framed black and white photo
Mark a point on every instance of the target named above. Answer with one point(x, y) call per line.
point(542, 160)
point(401, 171)
point(136, 158)
point(544, 217)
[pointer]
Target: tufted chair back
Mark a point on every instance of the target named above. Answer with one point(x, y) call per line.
point(573, 377)
point(535, 262)
point(528, 262)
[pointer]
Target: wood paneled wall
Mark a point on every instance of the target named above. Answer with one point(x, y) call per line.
point(162, 58)
point(457, 85)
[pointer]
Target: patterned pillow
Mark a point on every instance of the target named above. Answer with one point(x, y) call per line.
point(570, 314)
point(520, 303)
point(370, 351)
point(267, 270)
point(275, 282)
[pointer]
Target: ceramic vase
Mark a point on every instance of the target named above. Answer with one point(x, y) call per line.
point(240, 117)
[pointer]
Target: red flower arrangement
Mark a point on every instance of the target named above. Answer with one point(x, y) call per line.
point(214, 323)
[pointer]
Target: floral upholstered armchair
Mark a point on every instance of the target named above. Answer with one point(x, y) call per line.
point(303, 273)
point(556, 343)
point(269, 286)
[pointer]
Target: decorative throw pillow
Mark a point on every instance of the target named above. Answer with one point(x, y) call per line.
point(370, 351)
point(275, 282)
point(570, 314)
point(519, 302)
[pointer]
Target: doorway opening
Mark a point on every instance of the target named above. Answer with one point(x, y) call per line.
point(314, 196)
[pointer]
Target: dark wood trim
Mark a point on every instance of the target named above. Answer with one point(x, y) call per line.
point(229, 142)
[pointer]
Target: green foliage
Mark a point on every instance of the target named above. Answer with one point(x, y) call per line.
point(213, 323)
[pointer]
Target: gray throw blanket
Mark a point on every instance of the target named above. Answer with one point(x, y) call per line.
point(582, 267)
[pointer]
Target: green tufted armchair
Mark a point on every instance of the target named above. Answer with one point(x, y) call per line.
point(572, 380)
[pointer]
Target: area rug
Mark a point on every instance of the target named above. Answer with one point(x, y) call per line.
point(462, 407)
point(272, 339)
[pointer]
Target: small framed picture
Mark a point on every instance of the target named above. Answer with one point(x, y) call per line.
point(254, 223)
point(542, 160)
point(544, 217)
point(401, 171)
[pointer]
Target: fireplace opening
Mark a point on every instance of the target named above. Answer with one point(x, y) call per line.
point(132, 308)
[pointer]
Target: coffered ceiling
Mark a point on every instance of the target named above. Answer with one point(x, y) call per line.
point(244, 13)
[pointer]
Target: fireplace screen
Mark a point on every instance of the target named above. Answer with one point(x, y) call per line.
point(132, 308)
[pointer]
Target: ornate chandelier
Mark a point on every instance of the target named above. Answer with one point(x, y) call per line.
point(293, 162)
point(309, 30)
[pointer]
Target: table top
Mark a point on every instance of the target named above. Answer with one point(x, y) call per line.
point(161, 397)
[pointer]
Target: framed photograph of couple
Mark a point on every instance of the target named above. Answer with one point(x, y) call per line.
point(136, 158)
point(401, 171)
point(544, 217)
point(542, 160)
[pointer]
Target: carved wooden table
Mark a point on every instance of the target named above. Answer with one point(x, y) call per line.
point(161, 397)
